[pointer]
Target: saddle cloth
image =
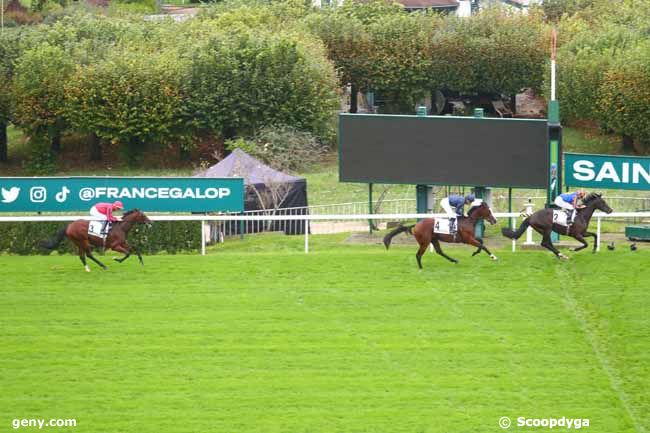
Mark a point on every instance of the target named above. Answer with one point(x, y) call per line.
point(95, 229)
point(560, 217)
point(443, 226)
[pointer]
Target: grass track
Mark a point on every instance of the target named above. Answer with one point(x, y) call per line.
point(345, 339)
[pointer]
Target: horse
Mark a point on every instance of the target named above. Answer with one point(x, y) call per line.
point(77, 232)
point(542, 222)
point(423, 232)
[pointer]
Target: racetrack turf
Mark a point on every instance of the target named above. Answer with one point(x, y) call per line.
point(345, 339)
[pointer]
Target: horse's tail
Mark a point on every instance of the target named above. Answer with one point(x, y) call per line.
point(509, 233)
point(55, 240)
point(389, 237)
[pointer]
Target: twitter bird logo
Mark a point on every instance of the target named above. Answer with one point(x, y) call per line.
point(10, 195)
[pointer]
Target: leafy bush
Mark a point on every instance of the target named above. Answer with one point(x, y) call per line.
point(601, 61)
point(40, 75)
point(555, 9)
point(493, 52)
point(625, 96)
point(165, 236)
point(40, 161)
point(131, 98)
point(283, 148)
point(406, 56)
point(241, 82)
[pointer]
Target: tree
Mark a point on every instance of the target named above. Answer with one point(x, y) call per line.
point(40, 77)
point(625, 97)
point(240, 83)
point(130, 98)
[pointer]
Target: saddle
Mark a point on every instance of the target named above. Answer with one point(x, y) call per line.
point(447, 226)
point(562, 217)
point(97, 229)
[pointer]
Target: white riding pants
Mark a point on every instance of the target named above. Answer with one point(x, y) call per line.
point(561, 203)
point(97, 214)
point(444, 203)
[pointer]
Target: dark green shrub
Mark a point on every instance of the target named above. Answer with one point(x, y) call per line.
point(625, 97)
point(24, 238)
point(40, 160)
point(241, 82)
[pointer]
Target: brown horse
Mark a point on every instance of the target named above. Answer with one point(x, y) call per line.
point(542, 222)
point(77, 232)
point(423, 232)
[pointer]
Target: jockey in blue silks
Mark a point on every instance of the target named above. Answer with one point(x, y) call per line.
point(457, 202)
point(569, 201)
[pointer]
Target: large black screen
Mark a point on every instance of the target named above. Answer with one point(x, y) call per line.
point(443, 150)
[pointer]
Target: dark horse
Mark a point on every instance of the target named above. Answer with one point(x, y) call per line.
point(423, 232)
point(77, 232)
point(542, 222)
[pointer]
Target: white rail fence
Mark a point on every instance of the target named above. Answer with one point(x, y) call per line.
point(391, 206)
point(309, 219)
point(408, 205)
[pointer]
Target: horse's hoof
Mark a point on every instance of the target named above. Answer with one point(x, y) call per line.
point(87, 268)
point(493, 257)
point(563, 257)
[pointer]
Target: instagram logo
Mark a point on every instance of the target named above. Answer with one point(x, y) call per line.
point(37, 194)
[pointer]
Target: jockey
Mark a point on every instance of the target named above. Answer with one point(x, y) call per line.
point(104, 211)
point(458, 202)
point(569, 201)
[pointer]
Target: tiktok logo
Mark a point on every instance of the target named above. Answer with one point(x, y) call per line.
point(62, 195)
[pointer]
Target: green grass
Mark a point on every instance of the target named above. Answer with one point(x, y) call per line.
point(259, 337)
point(589, 141)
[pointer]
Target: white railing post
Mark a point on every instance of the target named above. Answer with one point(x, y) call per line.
point(598, 234)
point(306, 236)
point(512, 227)
point(529, 230)
point(202, 237)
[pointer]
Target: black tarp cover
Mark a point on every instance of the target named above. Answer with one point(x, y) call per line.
point(259, 178)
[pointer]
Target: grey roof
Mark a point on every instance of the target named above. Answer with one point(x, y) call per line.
point(241, 164)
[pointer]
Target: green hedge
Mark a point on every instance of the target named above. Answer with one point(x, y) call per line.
point(172, 237)
point(625, 96)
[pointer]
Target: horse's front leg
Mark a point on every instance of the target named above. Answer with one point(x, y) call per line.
point(548, 244)
point(479, 244)
point(595, 236)
point(436, 245)
point(121, 249)
point(580, 239)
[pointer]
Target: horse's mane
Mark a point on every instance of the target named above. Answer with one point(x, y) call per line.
point(591, 197)
point(473, 208)
point(129, 212)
